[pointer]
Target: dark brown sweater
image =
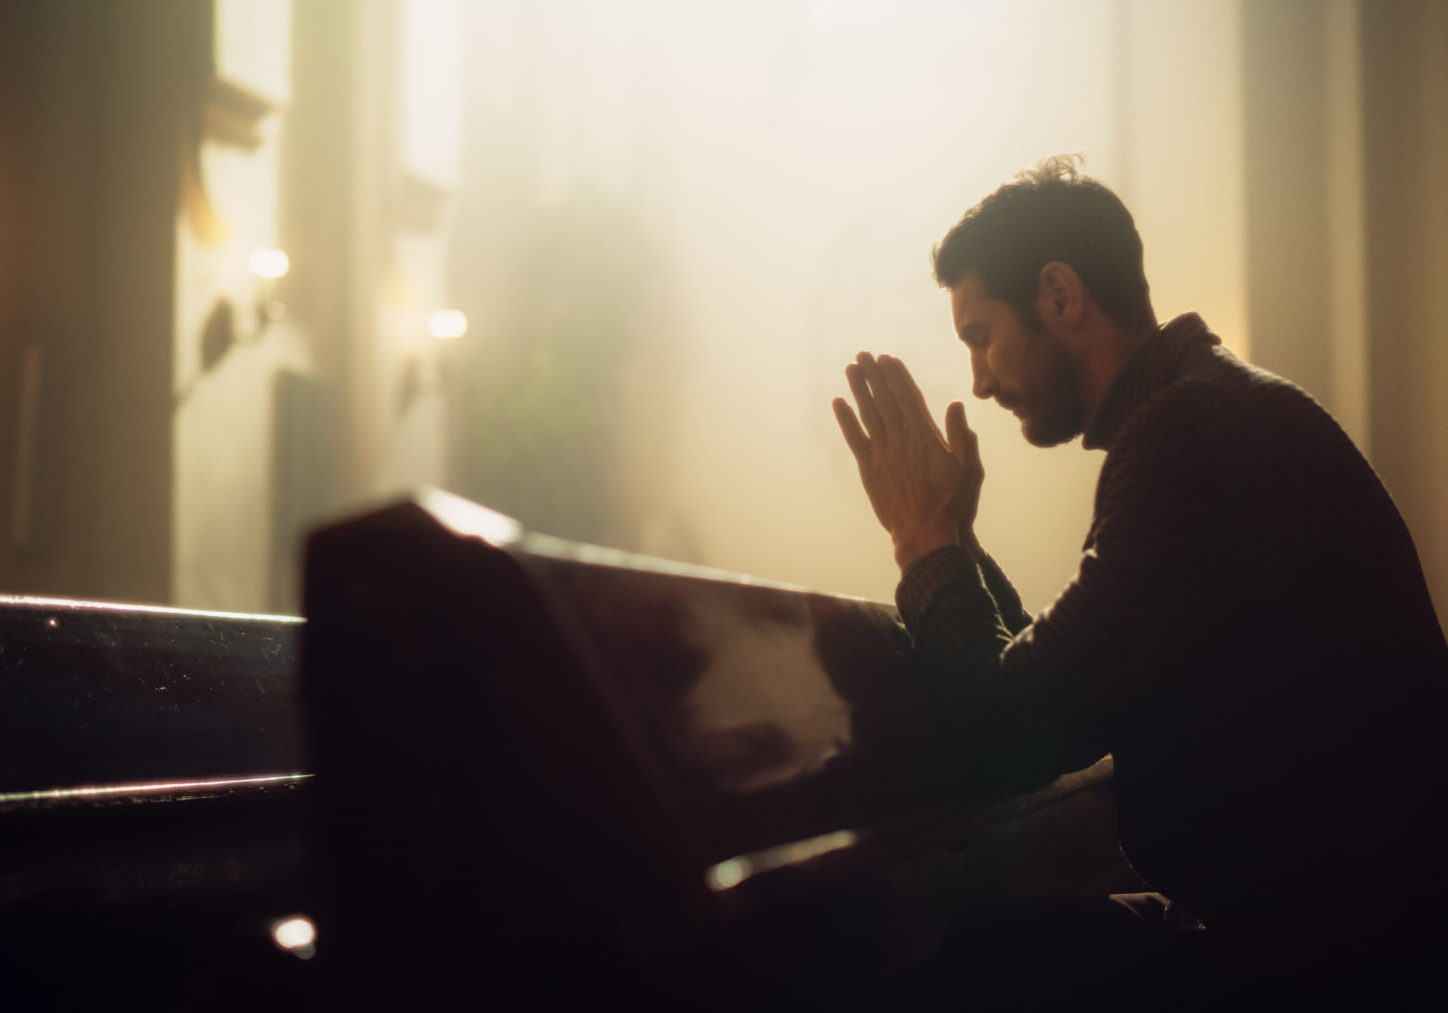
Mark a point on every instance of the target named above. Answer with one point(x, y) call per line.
point(1249, 634)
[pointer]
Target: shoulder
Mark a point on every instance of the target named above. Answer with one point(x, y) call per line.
point(1226, 406)
point(1222, 432)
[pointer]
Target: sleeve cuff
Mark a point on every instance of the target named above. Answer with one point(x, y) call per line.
point(927, 576)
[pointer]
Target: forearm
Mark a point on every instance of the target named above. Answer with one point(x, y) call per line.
point(949, 581)
point(1000, 712)
point(1008, 601)
point(944, 595)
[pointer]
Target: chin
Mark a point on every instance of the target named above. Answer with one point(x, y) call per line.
point(1046, 441)
point(1049, 434)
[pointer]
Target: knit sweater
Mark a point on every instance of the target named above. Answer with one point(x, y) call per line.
point(1249, 635)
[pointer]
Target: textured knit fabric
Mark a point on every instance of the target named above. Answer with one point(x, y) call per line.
point(1249, 634)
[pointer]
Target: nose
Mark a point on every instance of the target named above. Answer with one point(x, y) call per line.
point(984, 385)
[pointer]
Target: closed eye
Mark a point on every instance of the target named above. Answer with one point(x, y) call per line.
point(975, 337)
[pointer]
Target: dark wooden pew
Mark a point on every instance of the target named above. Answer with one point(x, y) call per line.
point(549, 773)
point(152, 792)
point(495, 769)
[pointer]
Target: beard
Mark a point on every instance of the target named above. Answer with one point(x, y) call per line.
point(1052, 411)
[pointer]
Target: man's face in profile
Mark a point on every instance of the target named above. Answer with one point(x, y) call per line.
point(1019, 363)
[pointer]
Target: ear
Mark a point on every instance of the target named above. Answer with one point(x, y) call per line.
point(1060, 295)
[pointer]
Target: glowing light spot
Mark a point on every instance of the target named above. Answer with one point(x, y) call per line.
point(296, 935)
point(727, 875)
point(467, 518)
point(52, 622)
point(447, 324)
point(269, 262)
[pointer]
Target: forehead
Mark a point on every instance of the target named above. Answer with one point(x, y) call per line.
point(969, 305)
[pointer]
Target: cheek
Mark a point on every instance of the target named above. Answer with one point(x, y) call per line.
point(1005, 364)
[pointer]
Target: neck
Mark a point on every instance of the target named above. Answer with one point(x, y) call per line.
point(1100, 351)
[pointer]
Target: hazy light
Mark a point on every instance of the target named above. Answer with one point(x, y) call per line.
point(297, 935)
point(269, 262)
point(447, 324)
point(850, 13)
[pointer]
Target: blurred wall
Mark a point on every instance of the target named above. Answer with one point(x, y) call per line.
point(1347, 133)
point(90, 96)
point(341, 159)
point(227, 352)
point(1405, 150)
point(1306, 201)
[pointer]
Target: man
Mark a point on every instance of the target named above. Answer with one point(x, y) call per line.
point(1249, 633)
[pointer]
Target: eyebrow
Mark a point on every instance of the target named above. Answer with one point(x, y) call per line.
point(971, 332)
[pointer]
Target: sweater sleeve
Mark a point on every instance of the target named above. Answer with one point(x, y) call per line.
point(952, 566)
point(1007, 600)
point(1039, 698)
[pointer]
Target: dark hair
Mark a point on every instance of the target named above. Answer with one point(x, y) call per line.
point(1050, 212)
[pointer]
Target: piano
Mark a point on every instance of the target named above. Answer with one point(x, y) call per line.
point(494, 768)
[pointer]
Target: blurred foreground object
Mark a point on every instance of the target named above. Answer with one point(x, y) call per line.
point(520, 771)
point(549, 773)
point(153, 802)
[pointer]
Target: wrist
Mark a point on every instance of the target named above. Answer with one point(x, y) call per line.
point(911, 546)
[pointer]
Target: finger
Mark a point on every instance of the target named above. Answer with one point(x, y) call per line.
point(964, 445)
point(849, 425)
point(914, 412)
point(869, 410)
point(884, 397)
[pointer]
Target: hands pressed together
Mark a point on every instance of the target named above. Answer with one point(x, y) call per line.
point(924, 485)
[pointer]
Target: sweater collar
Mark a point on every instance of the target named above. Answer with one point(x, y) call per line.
point(1156, 361)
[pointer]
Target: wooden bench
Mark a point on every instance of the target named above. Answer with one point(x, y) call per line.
point(492, 767)
point(587, 771)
